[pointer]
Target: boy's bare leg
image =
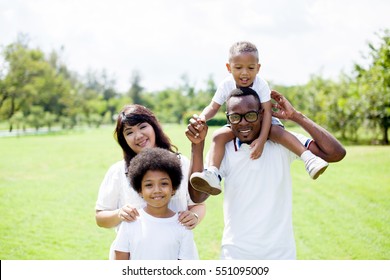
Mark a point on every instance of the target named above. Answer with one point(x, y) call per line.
point(217, 147)
point(281, 136)
point(209, 180)
point(315, 165)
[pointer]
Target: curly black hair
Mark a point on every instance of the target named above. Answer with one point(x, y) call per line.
point(156, 159)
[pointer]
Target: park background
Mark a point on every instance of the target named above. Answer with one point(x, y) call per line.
point(57, 143)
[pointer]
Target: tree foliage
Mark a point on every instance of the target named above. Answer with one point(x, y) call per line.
point(38, 90)
point(374, 85)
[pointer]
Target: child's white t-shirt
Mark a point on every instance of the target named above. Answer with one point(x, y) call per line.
point(228, 84)
point(151, 238)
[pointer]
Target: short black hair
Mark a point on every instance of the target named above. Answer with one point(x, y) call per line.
point(242, 47)
point(156, 159)
point(244, 91)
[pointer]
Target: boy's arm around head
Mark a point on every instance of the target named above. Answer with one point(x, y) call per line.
point(325, 145)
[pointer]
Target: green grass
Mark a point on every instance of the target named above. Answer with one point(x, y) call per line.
point(49, 185)
point(345, 214)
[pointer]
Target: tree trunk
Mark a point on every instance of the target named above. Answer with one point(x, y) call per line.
point(385, 136)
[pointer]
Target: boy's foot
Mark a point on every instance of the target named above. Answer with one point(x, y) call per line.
point(206, 181)
point(315, 166)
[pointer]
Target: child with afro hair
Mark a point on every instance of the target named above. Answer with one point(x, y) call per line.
point(155, 174)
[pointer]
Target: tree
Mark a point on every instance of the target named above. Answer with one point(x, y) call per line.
point(316, 94)
point(36, 117)
point(374, 85)
point(49, 119)
point(22, 69)
point(136, 89)
point(171, 105)
point(102, 83)
point(32, 80)
point(18, 121)
point(345, 112)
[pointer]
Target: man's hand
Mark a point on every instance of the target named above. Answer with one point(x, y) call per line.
point(284, 109)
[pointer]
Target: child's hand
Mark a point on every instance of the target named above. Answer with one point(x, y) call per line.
point(200, 121)
point(256, 149)
point(202, 118)
point(196, 130)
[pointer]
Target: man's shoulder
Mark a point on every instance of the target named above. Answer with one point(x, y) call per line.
point(231, 145)
point(278, 150)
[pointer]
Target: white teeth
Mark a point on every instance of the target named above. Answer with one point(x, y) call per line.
point(142, 143)
point(245, 131)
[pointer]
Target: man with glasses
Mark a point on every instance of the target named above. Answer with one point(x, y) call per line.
point(251, 116)
point(243, 67)
point(258, 193)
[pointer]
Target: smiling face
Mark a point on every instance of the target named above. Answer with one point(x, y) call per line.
point(156, 190)
point(244, 68)
point(140, 136)
point(244, 130)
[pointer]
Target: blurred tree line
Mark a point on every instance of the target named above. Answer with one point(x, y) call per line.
point(38, 90)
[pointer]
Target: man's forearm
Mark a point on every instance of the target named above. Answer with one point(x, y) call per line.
point(196, 166)
point(327, 146)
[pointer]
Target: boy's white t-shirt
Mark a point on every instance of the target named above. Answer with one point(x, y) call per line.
point(151, 238)
point(228, 84)
point(115, 191)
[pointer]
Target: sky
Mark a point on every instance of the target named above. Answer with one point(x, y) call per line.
point(164, 40)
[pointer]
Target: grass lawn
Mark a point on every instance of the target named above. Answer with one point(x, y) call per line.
point(49, 185)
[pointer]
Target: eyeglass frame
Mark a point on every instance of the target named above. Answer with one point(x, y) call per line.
point(243, 116)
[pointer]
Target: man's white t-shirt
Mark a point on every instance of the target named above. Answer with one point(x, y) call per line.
point(258, 203)
point(228, 84)
point(151, 238)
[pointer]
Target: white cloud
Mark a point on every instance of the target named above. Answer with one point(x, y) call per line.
point(166, 39)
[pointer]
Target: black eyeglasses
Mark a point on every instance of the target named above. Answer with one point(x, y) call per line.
point(236, 118)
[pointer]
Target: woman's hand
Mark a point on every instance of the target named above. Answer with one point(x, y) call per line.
point(188, 219)
point(127, 213)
